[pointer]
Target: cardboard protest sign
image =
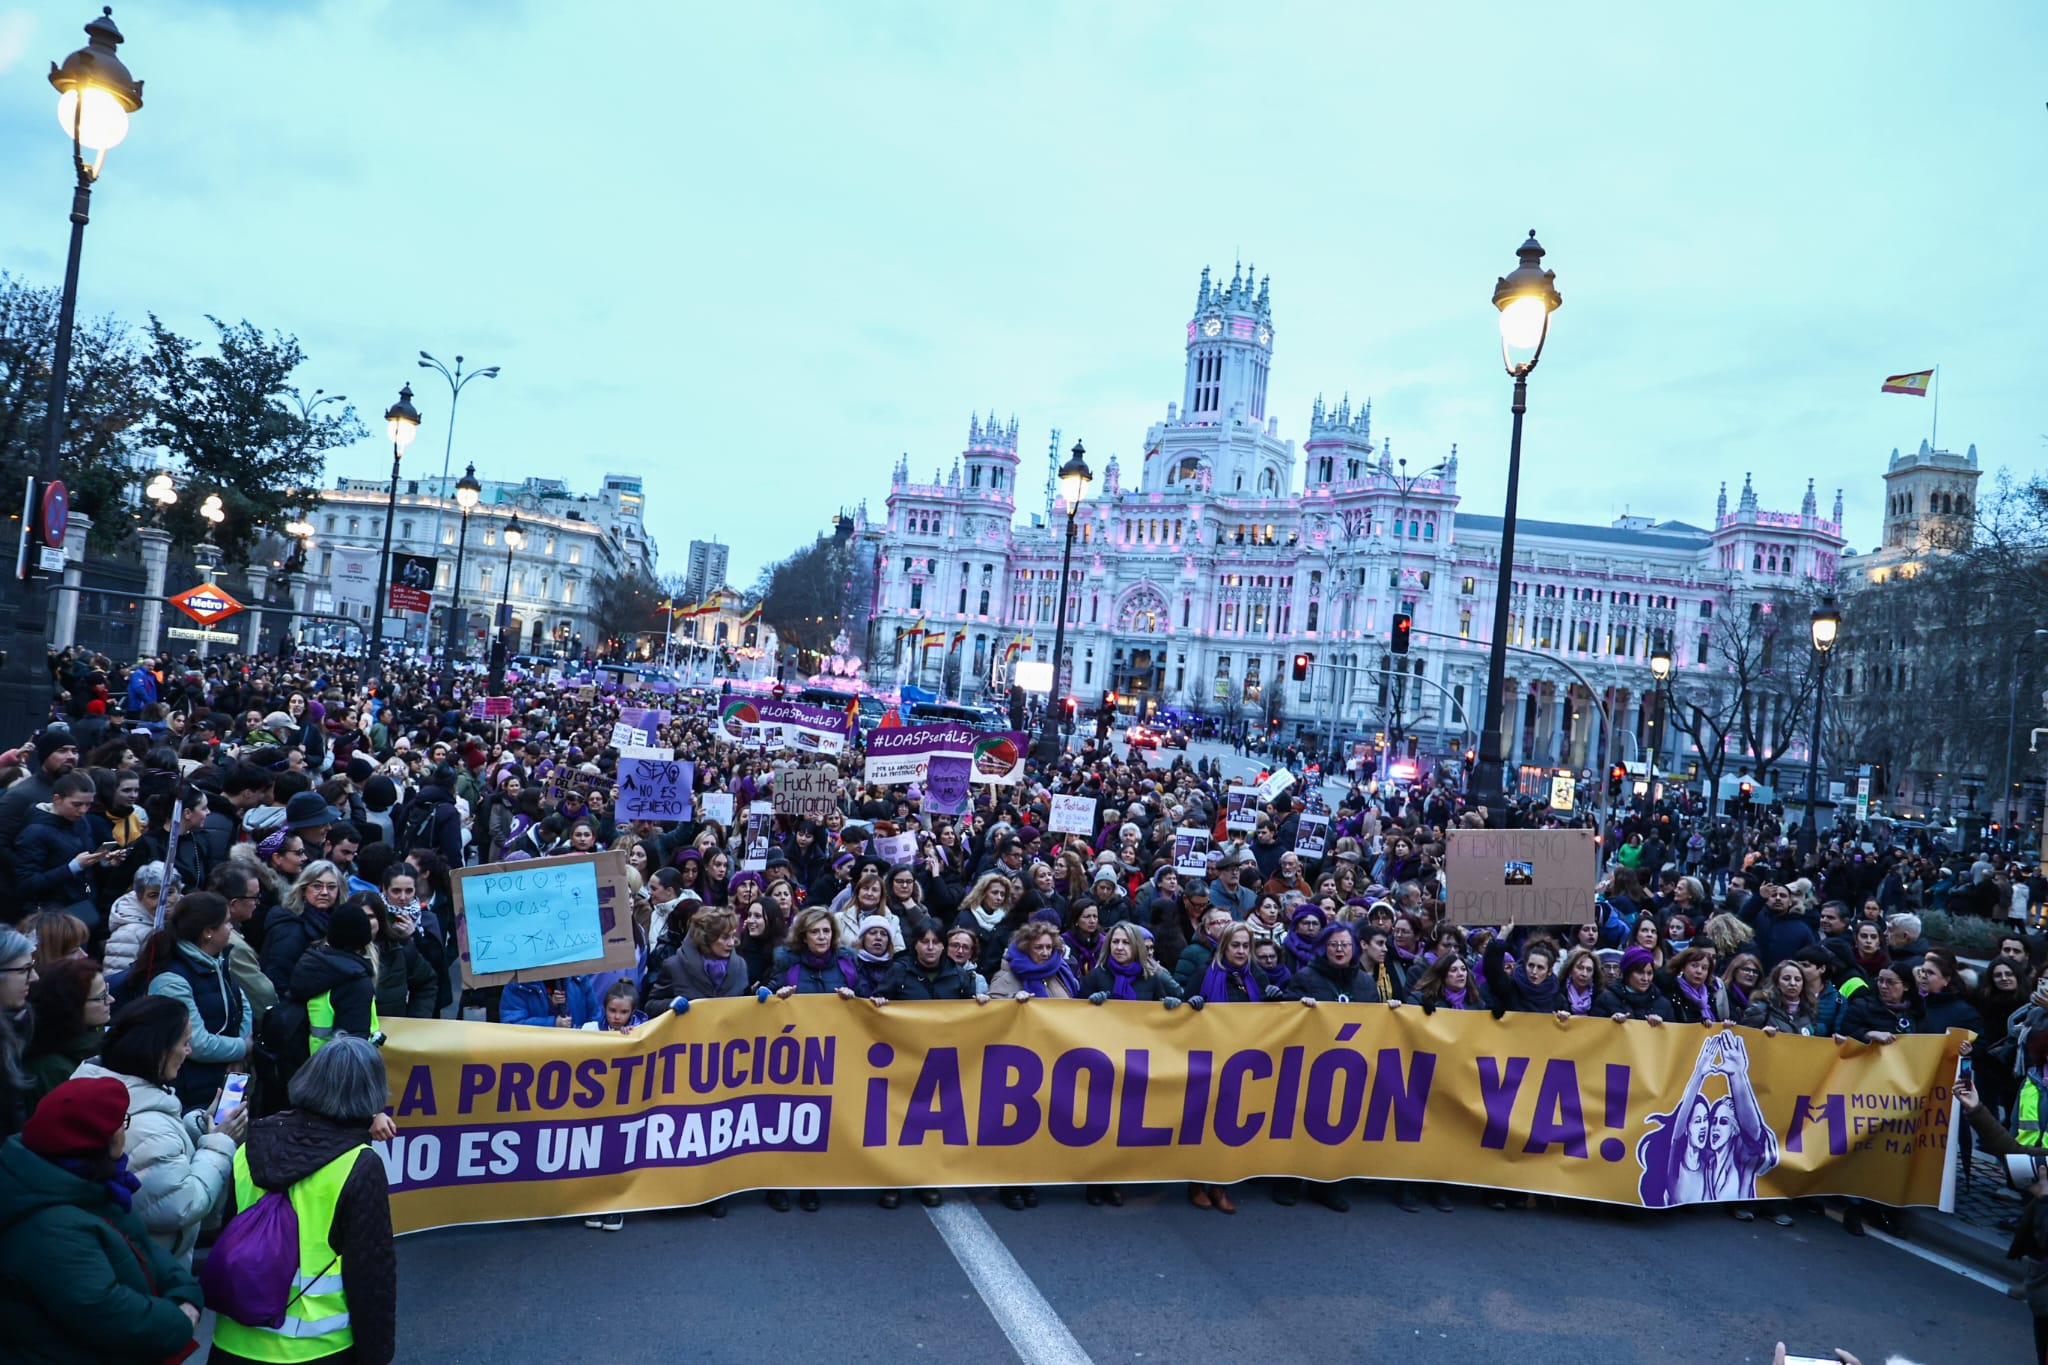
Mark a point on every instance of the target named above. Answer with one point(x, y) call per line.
point(946, 785)
point(1073, 815)
point(898, 850)
point(626, 736)
point(1312, 834)
point(739, 722)
point(1241, 809)
point(809, 793)
point(760, 824)
point(717, 806)
point(1531, 876)
point(654, 789)
point(1191, 852)
point(1279, 781)
point(543, 918)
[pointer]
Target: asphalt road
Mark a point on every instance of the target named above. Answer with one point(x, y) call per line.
point(1160, 1280)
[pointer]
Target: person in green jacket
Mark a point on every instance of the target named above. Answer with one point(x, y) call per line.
point(81, 1280)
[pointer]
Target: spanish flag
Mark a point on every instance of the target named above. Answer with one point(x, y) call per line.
point(935, 640)
point(960, 637)
point(1011, 651)
point(1915, 383)
point(753, 613)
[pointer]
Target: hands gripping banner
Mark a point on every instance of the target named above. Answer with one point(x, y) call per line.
point(499, 1122)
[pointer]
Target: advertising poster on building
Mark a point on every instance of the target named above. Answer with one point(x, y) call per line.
point(412, 581)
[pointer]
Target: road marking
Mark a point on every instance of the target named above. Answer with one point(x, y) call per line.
point(1936, 1258)
point(1035, 1331)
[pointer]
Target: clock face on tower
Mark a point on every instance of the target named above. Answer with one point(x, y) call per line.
point(1213, 327)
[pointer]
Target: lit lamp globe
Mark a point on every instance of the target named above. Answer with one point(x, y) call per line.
point(467, 490)
point(1660, 665)
point(1526, 297)
point(1075, 476)
point(1826, 625)
point(95, 93)
point(402, 419)
point(515, 534)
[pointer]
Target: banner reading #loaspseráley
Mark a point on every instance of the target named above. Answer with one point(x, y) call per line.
point(499, 1122)
point(802, 727)
point(899, 754)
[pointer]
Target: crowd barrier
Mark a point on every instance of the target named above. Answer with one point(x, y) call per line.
point(500, 1122)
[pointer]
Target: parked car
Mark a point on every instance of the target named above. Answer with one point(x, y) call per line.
point(1142, 737)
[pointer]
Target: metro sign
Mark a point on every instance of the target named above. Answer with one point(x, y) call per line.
point(206, 604)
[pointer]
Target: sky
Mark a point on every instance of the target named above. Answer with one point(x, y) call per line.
point(752, 253)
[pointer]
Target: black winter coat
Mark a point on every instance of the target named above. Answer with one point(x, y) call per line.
point(286, 1148)
point(910, 980)
point(1619, 999)
point(286, 937)
point(1154, 985)
point(1319, 980)
point(42, 865)
point(344, 978)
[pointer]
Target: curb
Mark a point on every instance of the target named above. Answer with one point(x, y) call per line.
point(1978, 1248)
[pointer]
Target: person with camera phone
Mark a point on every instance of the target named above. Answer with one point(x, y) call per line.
point(2027, 1170)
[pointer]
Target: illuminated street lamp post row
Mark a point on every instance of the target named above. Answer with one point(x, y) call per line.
point(501, 653)
point(468, 492)
point(1526, 298)
point(1075, 477)
point(402, 423)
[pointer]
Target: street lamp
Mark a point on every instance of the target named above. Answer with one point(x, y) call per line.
point(456, 381)
point(402, 423)
point(515, 536)
point(1074, 480)
point(1827, 628)
point(1526, 298)
point(1660, 669)
point(164, 494)
point(467, 494)
point(95, 96)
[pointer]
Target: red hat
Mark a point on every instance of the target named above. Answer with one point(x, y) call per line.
point(95, 707)
point(78, 1118)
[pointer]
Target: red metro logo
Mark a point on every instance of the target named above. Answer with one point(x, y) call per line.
point(206, 603)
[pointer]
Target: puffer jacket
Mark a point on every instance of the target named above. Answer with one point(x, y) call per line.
point(43, 872)
point(344, 978)
point(81, 1280)
point(130, 924)
point(184, 1169)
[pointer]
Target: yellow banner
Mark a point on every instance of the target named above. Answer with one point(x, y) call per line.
point(500, 1122)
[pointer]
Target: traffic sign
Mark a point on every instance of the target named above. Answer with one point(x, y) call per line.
point(56, 519)
point(223, 637)
point(207, 603)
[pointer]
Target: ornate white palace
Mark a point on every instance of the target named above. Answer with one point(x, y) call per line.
point(1195, 585)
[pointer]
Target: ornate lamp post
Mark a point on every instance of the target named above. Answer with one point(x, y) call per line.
point(467, 493)
point(402, 423)
point(95, 96)
point(1526, 298)
point(1826, 626)
point(1660, 669)
point(515, 536)
point(1075, 477)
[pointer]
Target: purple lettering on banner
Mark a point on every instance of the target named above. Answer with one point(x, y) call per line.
point(1343, 1071)
point(1405, 1099)
point(1001, 1092)
point(1131, 1128)
point(1497, 1092)
point(1068, 1074)
point(1233, 1130)
point(1195, 1103)
point(936, 1105)
point(1287, 1093)
point(672, 1135)
point(1833, 1110)
point(477, 1081)
point(1560, 1118)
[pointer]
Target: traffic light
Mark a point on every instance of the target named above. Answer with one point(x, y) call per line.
point(1743, 791)
point(1398, 642)
point(1616, 775)
point(1070, 707)
point(1301, 668)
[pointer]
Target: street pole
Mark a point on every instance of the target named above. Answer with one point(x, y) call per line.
point(402, 423)
point(1489, 776)
point(468, 492)
point(101, 95)
point(1074, 480)
point(1809, 829)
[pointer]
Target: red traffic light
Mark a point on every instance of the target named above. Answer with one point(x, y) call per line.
point(1398, 641)
point(1301, 667)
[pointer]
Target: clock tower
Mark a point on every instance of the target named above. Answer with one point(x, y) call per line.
point(1230, 349)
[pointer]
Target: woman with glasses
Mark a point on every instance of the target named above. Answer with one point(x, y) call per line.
point(237, 882)
point(71, 1004)
point(17, 1025)
point(300, 920)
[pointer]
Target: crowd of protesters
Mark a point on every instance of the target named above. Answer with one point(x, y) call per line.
point(190, 850)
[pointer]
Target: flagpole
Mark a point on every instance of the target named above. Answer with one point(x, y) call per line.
point(1934, 431)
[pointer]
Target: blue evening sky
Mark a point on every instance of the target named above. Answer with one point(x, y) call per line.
point(752, 252)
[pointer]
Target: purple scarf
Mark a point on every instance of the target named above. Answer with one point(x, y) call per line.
point(716, 968)
point(1217, 980)
point(1700, 997)
point(1455, 999)
point(812, 962)
point(1086, 953)
point(1579, 1001)
point(122, 1184)
point(1123, 978)
point(1037, 976)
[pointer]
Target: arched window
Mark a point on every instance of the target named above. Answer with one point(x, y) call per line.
point(1429, 530)
point(984, 601)
point(1312, 608)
